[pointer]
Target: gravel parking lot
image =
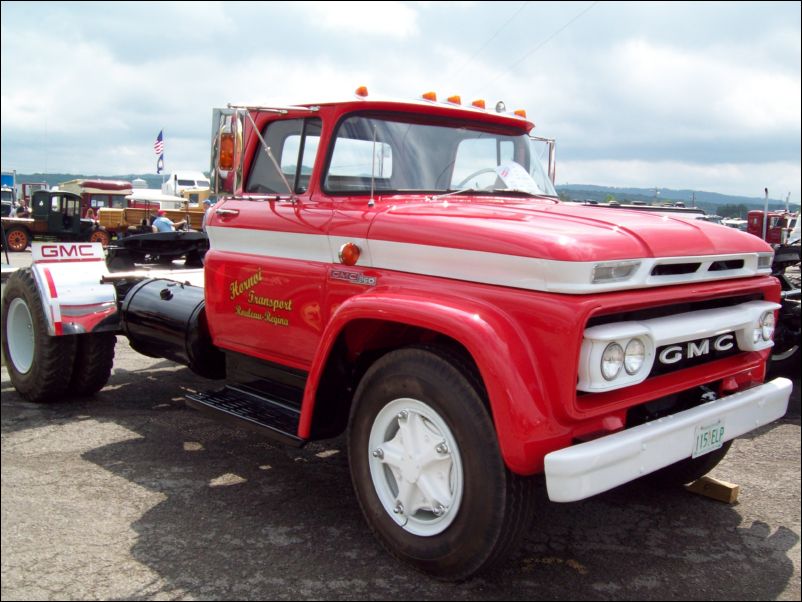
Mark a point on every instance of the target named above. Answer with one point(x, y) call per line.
point(131, 495)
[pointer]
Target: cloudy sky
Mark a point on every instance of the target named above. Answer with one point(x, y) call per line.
point(679, 95)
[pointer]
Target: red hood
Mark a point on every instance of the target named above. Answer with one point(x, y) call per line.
point(548, 230)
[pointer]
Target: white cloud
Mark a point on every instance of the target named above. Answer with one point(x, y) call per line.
point(747, 179)
point(391, 19)
point(705, 88)
point(88, 90)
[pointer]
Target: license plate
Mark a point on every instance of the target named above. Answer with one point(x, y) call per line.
point(708, 438)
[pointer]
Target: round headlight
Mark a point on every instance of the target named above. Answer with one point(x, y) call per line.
point(634, 356)
point(767, 325)
point(612, 361)
point(757, 333)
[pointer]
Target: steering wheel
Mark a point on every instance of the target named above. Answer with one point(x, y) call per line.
point(478, 172)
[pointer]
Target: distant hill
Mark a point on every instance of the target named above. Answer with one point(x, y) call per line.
point(709, 201)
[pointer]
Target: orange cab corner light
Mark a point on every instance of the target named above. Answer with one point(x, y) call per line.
point(225, 160)
point(521, 113)
point(429, 96)
point(455, 99)
point(479, 104)
point(362, 91)
point(349, 254)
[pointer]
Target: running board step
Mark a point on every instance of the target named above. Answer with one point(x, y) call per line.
point(242, 408)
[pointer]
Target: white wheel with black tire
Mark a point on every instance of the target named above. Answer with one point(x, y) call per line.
point(40, 365)
point(427, 469)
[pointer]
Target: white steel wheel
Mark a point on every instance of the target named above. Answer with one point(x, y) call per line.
point(415, 467)
point(21, 340)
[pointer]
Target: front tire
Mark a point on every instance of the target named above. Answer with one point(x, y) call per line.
point(427, 469)
point(39, 365)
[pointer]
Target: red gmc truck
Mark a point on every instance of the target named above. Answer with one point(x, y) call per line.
point(403, 272)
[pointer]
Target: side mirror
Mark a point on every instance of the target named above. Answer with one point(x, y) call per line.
point(226, 168)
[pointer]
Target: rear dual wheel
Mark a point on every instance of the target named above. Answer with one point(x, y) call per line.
point(47, 368)
point(40, 366)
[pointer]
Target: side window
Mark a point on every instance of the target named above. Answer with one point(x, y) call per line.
point(294, 144)
point(71, 206)
point(98, 200)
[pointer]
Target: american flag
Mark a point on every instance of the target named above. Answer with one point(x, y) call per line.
point(158, 146)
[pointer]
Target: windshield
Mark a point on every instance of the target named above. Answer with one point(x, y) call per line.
point(400, 156)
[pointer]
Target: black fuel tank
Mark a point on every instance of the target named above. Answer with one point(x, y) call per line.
point(163, 318)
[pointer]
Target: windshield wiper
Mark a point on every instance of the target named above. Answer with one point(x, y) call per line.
point(514, 190)
point(435, 197)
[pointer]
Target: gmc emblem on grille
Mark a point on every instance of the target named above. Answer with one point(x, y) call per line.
point(691, 349)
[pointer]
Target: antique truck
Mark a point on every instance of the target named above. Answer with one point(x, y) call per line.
point(55, 215)
point(404, 273)
point(781, 231)
point(135, 242)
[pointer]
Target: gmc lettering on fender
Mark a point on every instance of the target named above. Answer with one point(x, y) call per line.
point(68, 252)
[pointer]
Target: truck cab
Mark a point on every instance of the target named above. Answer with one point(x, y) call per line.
point(55, 215)
point(781, 228)
point(60, 211)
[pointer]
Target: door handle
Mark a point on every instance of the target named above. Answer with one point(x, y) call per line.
point(227, 212)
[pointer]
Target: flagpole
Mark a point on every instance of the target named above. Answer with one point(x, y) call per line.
point(164, 171)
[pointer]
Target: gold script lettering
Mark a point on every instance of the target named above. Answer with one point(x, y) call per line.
point(238, 287)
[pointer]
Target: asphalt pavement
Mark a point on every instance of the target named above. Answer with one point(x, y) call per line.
point(131, 495)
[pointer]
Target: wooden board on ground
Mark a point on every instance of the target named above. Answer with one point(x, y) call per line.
point(715, 489)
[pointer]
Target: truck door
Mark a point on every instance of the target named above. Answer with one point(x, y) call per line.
point(265, 272)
